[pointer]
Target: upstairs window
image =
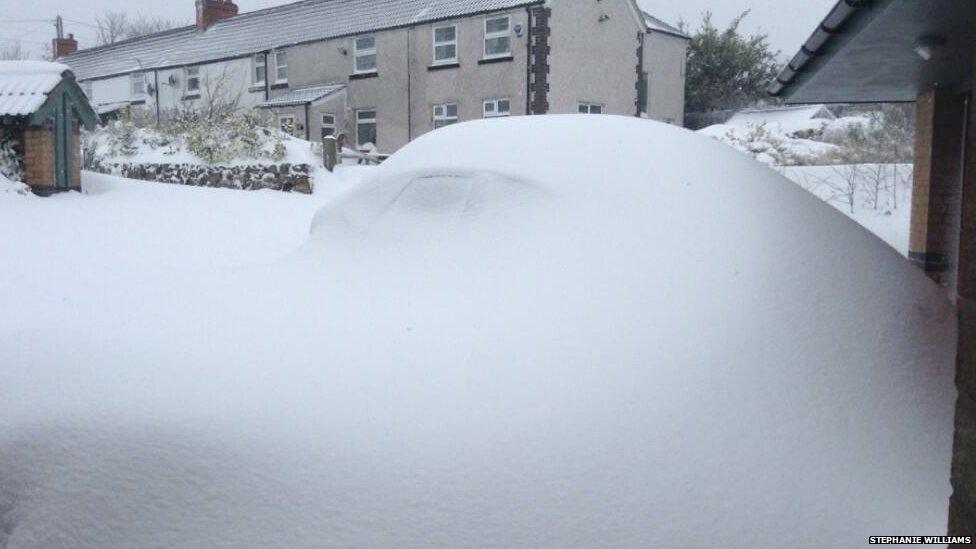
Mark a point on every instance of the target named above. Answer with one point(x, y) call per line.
point(192, 81)
point(365, 54)
point(495, 108)
point(137, 84)
point(445, 115)
point(445, 44)
point(498, 36)
point(590, 108)
point(328, 125)
point(259, 74)
point(281, 67)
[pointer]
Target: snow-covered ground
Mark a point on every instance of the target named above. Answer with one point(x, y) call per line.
point(489, 341)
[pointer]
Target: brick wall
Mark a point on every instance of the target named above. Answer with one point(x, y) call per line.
point(39, 158)
point(940, 117)
point(962, 508)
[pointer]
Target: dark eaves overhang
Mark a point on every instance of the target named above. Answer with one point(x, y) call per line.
point(848, 16)
point(878, 51)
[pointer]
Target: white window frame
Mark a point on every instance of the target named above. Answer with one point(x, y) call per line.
point(259, 61)
point(281, 125)
point(452, 42)
point(495, 112)
point(134, 79)
point(360, 121)
point(187, 77)
point(278, 56)
point(497, 34)
point(589, 105)
point(325, 124)
point(443, 116)
point(357, 53)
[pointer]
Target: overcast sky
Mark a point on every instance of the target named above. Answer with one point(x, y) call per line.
point(788, 22)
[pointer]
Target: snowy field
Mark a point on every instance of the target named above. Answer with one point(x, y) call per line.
point(485, 341)
point(877, 196)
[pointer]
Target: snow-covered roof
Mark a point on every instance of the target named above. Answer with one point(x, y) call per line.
point(655, 24)
point(303, 96)
point(262, 30)
point(781, 115)
point(25, 85)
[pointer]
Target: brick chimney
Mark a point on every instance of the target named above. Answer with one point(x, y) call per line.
point(64, 46)
point(211, 11)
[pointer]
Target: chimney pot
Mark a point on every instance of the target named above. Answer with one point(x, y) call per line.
point(211, 11)
point(64, 46)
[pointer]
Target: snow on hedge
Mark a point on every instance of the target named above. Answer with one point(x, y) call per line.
point(238, 138)
point(517, 334)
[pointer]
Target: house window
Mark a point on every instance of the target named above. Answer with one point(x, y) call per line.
point(328, 125)
point(365, 128)
point(259, 74)
point(498, 37)
point(287, 124)
point(495, 108)
point(137, 84)
point(445, 44)
point(445, 115)
point(365, 54)
point(192, 81)
point(281, 67)
point(590, 108)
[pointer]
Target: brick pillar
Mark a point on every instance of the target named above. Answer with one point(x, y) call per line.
point(962, 505)
point(539, 49)
point(940, 119)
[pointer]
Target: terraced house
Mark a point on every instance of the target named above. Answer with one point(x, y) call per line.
point(384, 72)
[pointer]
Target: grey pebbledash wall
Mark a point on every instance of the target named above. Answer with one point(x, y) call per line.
point(278, 177)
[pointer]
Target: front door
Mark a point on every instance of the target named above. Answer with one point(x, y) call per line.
point(62, 144)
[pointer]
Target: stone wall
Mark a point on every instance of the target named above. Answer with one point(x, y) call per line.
point(278, 177)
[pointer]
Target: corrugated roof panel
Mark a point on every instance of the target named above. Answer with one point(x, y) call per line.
point(25, 85)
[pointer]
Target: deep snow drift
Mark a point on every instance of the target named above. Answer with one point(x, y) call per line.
point(500, 341)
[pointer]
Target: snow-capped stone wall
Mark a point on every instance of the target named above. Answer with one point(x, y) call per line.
point(278, 177)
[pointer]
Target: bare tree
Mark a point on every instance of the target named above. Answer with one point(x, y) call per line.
point(13, 51)
point(219, 97)
point(112, 27)
point(146, 25)
point(842, 184)
point(875, 182)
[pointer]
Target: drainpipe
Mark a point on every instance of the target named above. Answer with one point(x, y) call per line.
point(156, 75)
point(409, 90)
point(528, 61)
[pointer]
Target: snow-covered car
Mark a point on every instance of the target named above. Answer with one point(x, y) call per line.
point(557, 331)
